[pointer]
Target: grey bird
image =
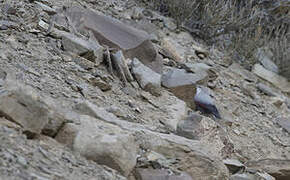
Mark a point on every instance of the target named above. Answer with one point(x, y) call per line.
point(205, 103)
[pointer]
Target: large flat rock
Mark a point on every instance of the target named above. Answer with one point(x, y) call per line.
point(148, 79)
point(278, 81)
point(183, 84)
point(101, 142)
point(113, 33)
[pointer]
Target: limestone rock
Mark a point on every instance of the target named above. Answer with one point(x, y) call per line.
point(149, 80)
point(266, 89)
point(183, 84)
point(97, 81)
point(193, 156)
point(272, 77)
point(190, 127)
point(279, 169)
point(4, 24)
point(90, 50)
point(244, 176)
point(169, 50)
point(264, 56)
point(233, 165)
point(156, 174)
point(176, 111)
point(284, 123)
point(119, 62)
point(25, 107)
point(245, 74)
point(115, 34)
point(46, 8)
point(101, 142)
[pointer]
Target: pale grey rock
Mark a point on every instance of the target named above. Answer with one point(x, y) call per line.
point(158, 174)
point(278, 168)
point(264, 56)
point(266, 89)
point(88, 49)
point(101, 142)
point(148, 79)
point(183, 84)
point(278, 81)
point(233, 165)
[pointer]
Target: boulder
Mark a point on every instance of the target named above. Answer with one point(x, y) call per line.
point(266, 89)
point(264, 56)
point(176, 111)
point(278, 81)
point(113, 33)
point(24, 106)
point(278, 168)
point(245, 74)
point(4, 24)
point(284, 123)
point(234, 165)
point(91, 50)
point(183, 84)
point(190, 127)
point(101, 142)
point(244, 176)
point(45, 8)
point(169, 50)
point(158, 174)
point(249, 176)
point(120, 64)
point(192, 156)
point(148, 79)
point(97, 81)
point(34, 112)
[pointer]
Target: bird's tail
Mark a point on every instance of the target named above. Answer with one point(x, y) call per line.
point(216, 113)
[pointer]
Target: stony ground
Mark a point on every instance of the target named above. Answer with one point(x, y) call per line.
point(248, 131)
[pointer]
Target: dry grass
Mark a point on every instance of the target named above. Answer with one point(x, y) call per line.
point(237, 26)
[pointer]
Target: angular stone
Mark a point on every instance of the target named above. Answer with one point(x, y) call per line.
point(266, 89)
point(25, 107)
point(158, 174)
point(101, 142)
point(189, 127)
point(97, 81)
point(193, 155)
point(284, 123)
point(90, 50)
point(245, 74)
point(115, 34)
point(183, 84)
point(278, 81)
point(4, 24)
point(169, 50)
point(148, 79)
point(233, 165)
point(265, 176)
point(244, 176)
point(176, 111)
point(279, 169)
point(119, 62)
point(45, 8)
point(264, 56)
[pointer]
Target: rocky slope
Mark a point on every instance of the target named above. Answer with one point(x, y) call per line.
point(67, 114)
